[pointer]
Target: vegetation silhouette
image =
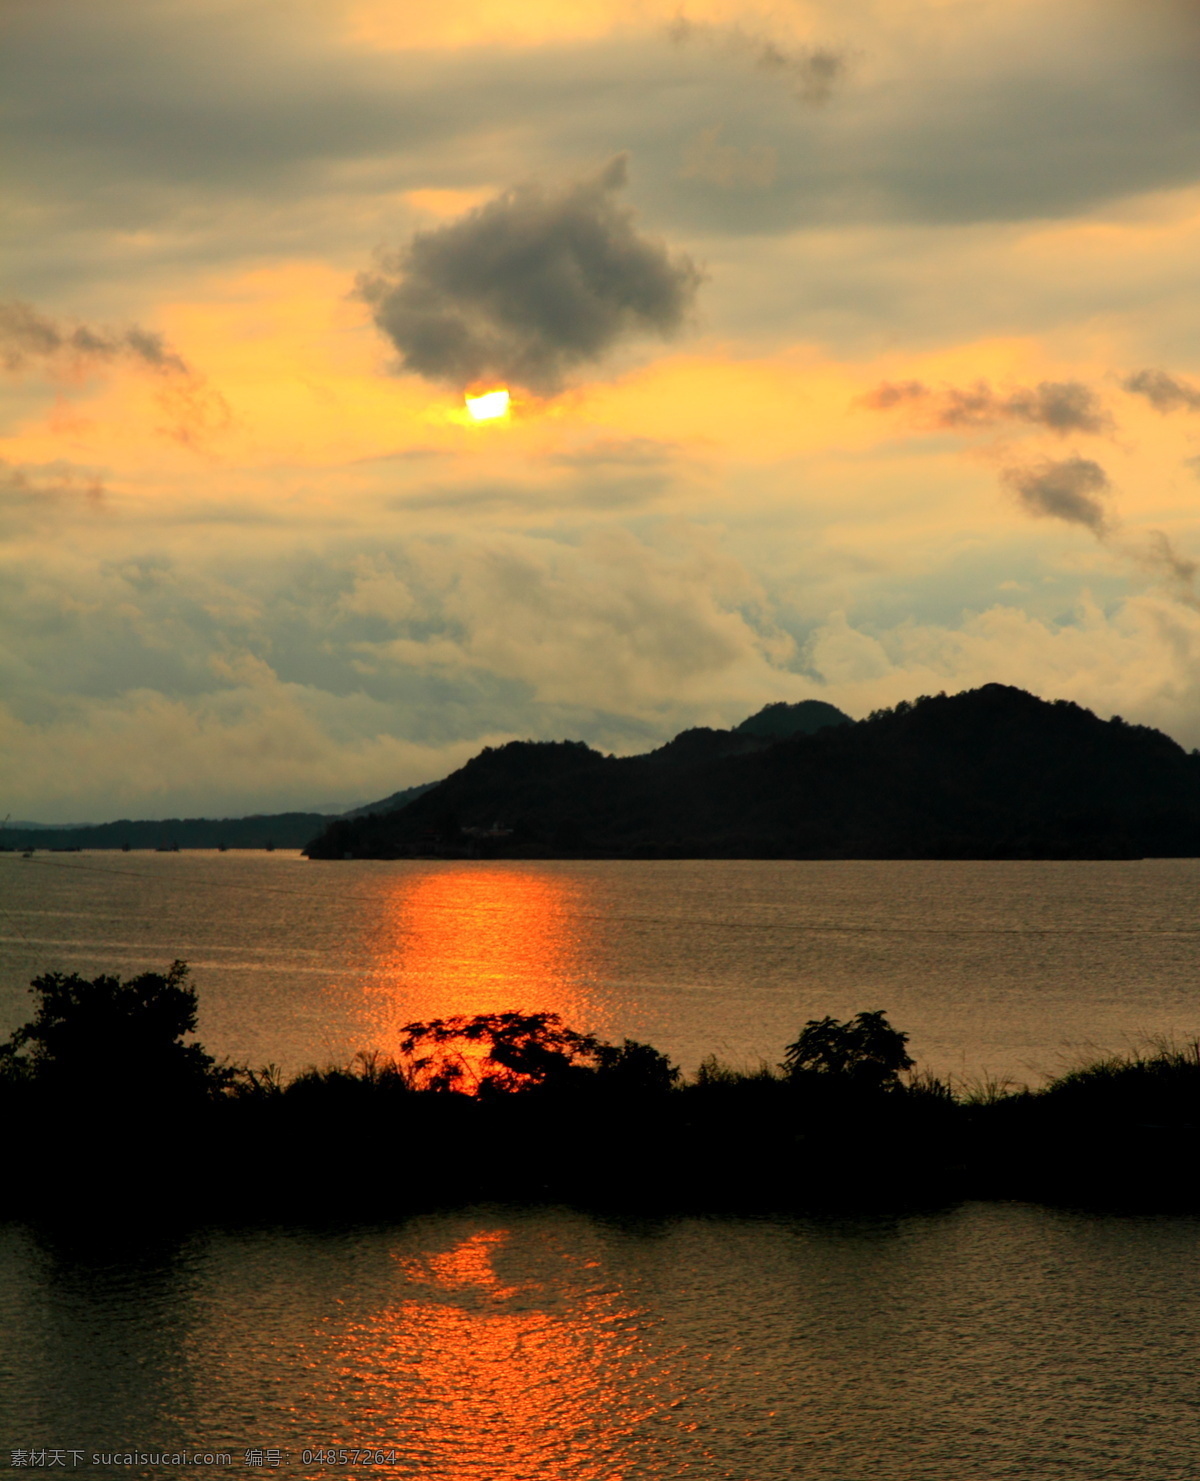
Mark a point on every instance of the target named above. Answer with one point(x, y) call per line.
point(113, 1096)
point(866, 1051)
point(103, 1039)
point(780, 720)
point(281, 830)
point(513, 1051)
point(105, 1084)
point(522, 1052)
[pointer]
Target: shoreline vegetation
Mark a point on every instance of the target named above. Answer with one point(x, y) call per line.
point(115, 1111)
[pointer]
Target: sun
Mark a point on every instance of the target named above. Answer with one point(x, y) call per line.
point(487, 406)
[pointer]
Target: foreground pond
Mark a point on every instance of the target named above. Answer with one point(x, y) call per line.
point(496, 1344)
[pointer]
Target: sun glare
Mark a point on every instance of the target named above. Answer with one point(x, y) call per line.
point(488, 407)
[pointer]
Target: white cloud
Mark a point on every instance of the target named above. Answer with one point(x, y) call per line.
point(1141, 661)
point(615, 623)
point(252, 747)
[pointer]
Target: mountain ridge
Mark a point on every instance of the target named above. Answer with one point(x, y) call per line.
point(295, 829)
point(993, 772)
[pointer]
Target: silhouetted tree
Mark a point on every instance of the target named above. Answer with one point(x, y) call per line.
point(502, 1052)
point(113, 1040)
point(865, 1050)
point(519, 1051)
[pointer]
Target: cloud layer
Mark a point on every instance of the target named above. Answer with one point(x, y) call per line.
point(1165, 393)
point(908, 443)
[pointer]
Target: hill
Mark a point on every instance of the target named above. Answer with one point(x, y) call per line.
point(272, 830)
point(992, 773)
point(295, 829)
point(393, 803)
point(778, 721)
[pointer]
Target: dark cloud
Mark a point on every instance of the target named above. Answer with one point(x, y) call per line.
point(1072, 490)
point(1161, 555)
point(1060, 406)
point(1164, 392)
point(30, 340)
point(1065, 490)
point(812, 71)
point(28, 337)
point(529, 287)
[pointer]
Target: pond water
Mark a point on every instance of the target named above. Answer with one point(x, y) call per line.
point(1008, 968)
point(988, 1341)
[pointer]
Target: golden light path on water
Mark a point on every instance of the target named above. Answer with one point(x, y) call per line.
point(980, 1341)
point(496, 1378)
point(502, 1379)
point(480, 939)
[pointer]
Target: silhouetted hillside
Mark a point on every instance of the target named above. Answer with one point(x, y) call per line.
point(272, 830)
point(993, 773)
point(778, 721)
point(393, 803)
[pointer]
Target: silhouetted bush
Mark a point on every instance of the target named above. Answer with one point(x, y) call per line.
point(631, 1068)
point(1159, 1086)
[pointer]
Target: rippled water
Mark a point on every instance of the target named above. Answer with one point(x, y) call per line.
point(493, 1345)
point(988, 1341)
point(1005, 967)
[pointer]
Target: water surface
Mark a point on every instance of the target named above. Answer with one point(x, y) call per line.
point(991, 1341)
point(1007, 967)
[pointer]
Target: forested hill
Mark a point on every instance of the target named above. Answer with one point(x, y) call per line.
point(271, 830)
point(994, 773)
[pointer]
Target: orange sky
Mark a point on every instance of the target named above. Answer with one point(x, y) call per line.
point(258, 556)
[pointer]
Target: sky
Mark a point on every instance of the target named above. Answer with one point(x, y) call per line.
point(851, 351)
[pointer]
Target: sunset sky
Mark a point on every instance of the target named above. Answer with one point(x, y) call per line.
point(852, 350)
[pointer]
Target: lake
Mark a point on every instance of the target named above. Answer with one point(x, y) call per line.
point(508, 1344)
point(987, 1341)
point(1006, 968)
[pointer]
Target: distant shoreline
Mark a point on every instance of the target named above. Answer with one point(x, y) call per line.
point(266, 831)
point(666, 854)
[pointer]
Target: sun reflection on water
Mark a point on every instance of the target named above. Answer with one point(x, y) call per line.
point(496, 1380)
point(482, 939)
